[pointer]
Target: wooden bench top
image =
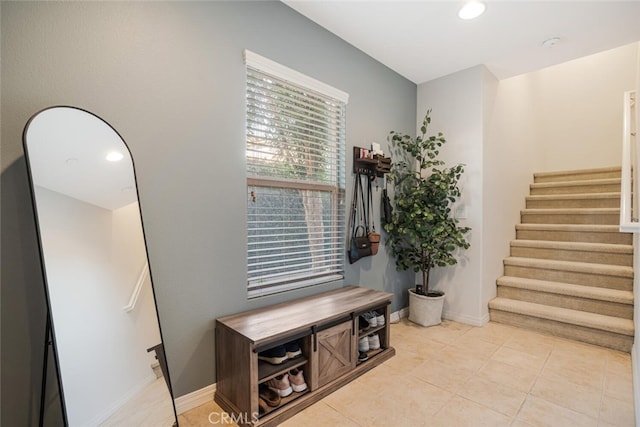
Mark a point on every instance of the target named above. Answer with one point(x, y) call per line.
point(275, 321)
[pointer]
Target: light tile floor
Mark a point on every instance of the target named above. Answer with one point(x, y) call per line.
point(458, 375)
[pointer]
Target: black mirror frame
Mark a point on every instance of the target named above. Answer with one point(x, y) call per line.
point(50, 336)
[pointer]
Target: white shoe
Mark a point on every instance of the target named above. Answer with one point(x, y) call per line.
point(372, 318)
point(374, 342)
point(380, 319)
point(363, 344)
point(296, 379)
point(280, 385)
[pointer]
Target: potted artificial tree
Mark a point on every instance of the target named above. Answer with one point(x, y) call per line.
point(422, 232)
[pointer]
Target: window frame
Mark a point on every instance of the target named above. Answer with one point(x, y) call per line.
point(336, 190)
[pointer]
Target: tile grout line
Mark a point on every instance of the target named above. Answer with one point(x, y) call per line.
point(339, 412)
point(604, 386)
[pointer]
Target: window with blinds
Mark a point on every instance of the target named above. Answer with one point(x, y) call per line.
point(295, 152)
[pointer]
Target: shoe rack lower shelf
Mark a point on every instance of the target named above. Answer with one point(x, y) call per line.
point(325, 326)
point(266, 371)
point(284, 401)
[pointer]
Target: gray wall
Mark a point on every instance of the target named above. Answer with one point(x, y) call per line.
point(170, 78)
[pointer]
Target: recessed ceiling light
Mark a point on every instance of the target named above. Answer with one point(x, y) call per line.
point(551, 42)
point(472, 9)
point(114, 156)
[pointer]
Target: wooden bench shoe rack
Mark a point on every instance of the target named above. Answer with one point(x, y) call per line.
point(327, 328)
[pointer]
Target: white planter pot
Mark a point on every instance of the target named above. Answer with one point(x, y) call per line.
point(425, 310)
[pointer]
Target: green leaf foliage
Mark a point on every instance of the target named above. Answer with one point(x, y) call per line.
point(423, 233)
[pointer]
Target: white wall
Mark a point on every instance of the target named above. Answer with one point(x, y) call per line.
point(510, 153)
point(95, 341)
point(457, 104)
point(577, 109)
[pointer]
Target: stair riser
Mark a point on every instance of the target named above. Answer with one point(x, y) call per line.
point(606, 308)
point(575, 189)
point(578, 176)
point(595, 219)
point(573, 203)
point(577, 278)
point(573, 255)
point(579, 333)
point(575, 236)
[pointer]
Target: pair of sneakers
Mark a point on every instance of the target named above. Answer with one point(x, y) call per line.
point(281, 353)
point(373, 318)
point(287, 383)
point(368, 343)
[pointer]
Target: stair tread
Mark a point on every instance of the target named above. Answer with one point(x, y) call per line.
point(578, 171)
point(574, 246)
point(576, 183)
point(602, 228)
point(574, 266)
point(564, 211)
point(591, 292)
point(565, 315)
point(610, 195)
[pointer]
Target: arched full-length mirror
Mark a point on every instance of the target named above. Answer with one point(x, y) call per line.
point(101, 301)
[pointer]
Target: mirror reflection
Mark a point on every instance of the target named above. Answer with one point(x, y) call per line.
point(101, 301)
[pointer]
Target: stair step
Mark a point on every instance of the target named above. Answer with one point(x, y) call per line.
point(578, 273)
point(608, 185)
point(574, 317)
point(581, 174)
point(564, 201)
point(591, 292)
point(574, 233)
point(608, 331)
point(596, 253)
point(610, 302)
point(607, 216)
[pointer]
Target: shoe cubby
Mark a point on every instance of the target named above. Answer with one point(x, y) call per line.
point(366, 330)
point(326, 329)
point(269, 371)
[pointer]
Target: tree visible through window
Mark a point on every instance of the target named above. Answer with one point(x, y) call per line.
point(295, 179)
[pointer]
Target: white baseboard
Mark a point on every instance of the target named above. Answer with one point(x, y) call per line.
point(397, 315)
point(463, 318)
point(195, 399)
point(456, 317)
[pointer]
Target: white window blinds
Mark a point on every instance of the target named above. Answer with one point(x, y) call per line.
point(295, 152)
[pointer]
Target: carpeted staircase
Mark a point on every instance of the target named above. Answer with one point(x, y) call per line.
point(570, 272)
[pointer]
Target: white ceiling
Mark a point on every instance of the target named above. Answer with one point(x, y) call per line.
point(424, 40)
point(67, 150)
